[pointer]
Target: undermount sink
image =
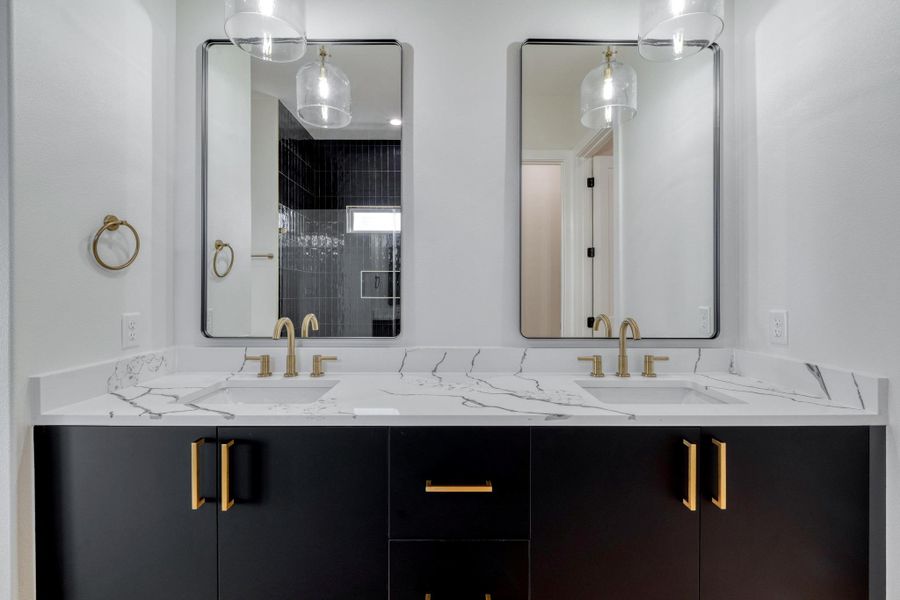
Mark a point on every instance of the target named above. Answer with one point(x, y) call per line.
point(256, 391)
point(656, 392)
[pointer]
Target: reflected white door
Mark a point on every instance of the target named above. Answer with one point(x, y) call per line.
point(541, 250)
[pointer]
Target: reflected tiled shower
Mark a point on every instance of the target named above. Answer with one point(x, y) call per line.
point(350, 280)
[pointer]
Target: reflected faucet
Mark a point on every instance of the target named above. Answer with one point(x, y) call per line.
point(623, 353)
point(308, 320)
point(602, 318)
point(290, 369)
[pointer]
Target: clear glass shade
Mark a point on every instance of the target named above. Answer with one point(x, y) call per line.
point(675, 29)
point(608, 95)
point(323, 95)
point(273, 30)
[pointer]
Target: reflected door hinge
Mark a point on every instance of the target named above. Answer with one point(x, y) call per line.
point(590, 182)
point(590, 322)
point(591, 253)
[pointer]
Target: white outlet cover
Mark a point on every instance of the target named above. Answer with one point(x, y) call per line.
point(705, 319)
point(131, 330)
point(778, 327)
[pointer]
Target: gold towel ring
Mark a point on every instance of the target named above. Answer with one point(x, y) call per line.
point(112, 223)
point(220, 246)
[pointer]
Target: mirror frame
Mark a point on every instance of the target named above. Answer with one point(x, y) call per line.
point(717, 180)
point(204, 173)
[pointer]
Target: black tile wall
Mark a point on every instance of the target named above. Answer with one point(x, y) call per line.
point(321, 263)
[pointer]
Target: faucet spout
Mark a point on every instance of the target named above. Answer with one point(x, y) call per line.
point(282, 324)
point(627, 324)
point(308, 320)
point(602, 318)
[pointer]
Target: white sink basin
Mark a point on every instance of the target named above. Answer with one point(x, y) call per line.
point(648, 393)
point(258, 391)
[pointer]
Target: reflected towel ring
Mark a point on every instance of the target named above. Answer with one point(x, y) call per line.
point(220, 246)
point(112, 223)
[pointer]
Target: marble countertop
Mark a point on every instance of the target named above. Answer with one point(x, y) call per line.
point(461, 398)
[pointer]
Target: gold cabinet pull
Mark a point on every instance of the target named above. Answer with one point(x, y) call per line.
point(691, 501)
point(196, 500)
point(227, 500)
point(486, 597)
point(721, 499)
point(431, 488)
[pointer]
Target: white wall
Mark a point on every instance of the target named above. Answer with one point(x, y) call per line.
point(461, 154)
point(819, 188)
point(229, 192)
point(264, 213)
point(6, 489)
point(664, 161)
point(93, 98)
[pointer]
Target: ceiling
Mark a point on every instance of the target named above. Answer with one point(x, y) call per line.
point(374, 72)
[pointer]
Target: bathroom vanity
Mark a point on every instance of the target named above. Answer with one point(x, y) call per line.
point(430, 483)
point(459, 512)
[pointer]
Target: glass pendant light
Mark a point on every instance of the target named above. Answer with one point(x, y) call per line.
point(323, 94)
point(608, 94)
point(675, 29)
point(273, 30)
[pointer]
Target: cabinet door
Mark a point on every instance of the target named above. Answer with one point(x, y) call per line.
point(114, 517)
point(795, 524)
point(309, 518)
point(608, 519)
point(459, 570)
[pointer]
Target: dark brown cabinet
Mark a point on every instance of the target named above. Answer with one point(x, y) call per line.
point(459, 570)
point(581, 513)
point(114, 517)
point(796, 523)
point(479, 482)
point(309, 518)
point(608, 518)
point(781, 513)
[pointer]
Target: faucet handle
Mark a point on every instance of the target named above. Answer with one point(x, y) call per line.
point(265, 364)
point(318, 369)
point(650, 364)
point(596, 364)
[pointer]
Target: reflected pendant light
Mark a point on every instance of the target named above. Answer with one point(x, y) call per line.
point(323, 94)
point(608, 94)
point(675, 29)
point(272, 30)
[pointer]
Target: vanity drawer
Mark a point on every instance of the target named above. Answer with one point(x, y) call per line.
point(459, 570)
point(479, 482)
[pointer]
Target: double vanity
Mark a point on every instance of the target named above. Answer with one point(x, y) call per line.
point(458, 473)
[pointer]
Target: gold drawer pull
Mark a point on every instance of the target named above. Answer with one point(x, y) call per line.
point(196, 500)
point(486, 597)
point(430, 488)
point(721, 499)
point(227, 500)
point(691, 501)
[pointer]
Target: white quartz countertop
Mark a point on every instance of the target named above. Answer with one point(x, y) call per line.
point(460, 398)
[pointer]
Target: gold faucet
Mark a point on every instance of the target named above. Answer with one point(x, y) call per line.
point(265, 362)
point(285, 323)
point(318, 369)
point(623, 354)
point(602, 318)
point(596, 364)
point(308, 320)
point(650, 364)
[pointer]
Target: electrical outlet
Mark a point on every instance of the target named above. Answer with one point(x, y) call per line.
point(705, 320)
point(131, 330)
point(778, 327)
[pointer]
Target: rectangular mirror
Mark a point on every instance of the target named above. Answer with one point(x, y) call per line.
point(298, 217)
point(620, 221)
